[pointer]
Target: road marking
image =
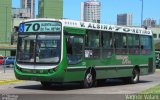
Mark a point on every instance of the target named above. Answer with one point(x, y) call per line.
point(10, 81)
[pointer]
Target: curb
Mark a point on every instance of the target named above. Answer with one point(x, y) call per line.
point(9, 81)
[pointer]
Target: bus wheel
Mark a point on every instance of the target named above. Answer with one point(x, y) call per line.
point(135, 76)
point(88, 80)
point(46, 84)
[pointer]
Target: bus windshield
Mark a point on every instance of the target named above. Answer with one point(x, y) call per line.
point(38, 48)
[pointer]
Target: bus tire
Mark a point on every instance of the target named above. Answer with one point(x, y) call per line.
point(125, 80)
point(46, 84)
point(89, 80)
point(135, 76)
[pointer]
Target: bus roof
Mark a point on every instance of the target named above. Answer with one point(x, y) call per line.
point(96, 26)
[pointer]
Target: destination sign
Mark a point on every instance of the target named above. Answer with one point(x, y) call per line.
point(40, 27)
point(107, 27)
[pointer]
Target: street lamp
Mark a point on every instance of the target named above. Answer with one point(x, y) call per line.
point(142, 14)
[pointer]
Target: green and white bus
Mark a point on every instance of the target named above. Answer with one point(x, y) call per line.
point(62, 50)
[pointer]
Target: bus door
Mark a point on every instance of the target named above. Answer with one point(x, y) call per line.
point(74, 46)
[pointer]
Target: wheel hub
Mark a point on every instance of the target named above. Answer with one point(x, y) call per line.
point(135, 75)
point(89, 78)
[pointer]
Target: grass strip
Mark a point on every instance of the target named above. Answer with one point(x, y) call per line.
point(153, 90)
point(149, 94)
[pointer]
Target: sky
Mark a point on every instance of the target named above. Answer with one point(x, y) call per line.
point(110, 9)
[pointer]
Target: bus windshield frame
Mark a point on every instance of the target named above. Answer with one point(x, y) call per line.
point(39, 47)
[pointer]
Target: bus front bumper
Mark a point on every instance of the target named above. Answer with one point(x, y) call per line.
point(38, 75)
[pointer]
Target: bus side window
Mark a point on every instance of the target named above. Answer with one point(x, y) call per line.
point(107, 44)
point(92, 45)
point(143, 50)
point(74, 49)
point(121, 43)
point(130, 44)
point(93, 39)
point(134, 44)
point(136, 41)
point(146, 45)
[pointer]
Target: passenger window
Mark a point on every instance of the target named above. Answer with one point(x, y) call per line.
point(130, 44)
point(107, 44)
point(120, 43)
point(136, 42)
point(92, 39)
point(107, 41)
point(74, 49)
point(133, 44)
point(146, 45)
point(92, 49)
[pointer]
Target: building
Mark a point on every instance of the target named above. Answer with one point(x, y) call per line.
point(90, 11)
point(30, 4)
point(26, 11)
point(124, 19)
point(50, 9)
point(18, 15)
point(5, 26)
point(149, 22)
point(21, 13)
point(156, 35)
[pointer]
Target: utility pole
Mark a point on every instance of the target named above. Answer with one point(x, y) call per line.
point(142, 14)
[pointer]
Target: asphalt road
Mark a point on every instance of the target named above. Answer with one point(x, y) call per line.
point(111, 89)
